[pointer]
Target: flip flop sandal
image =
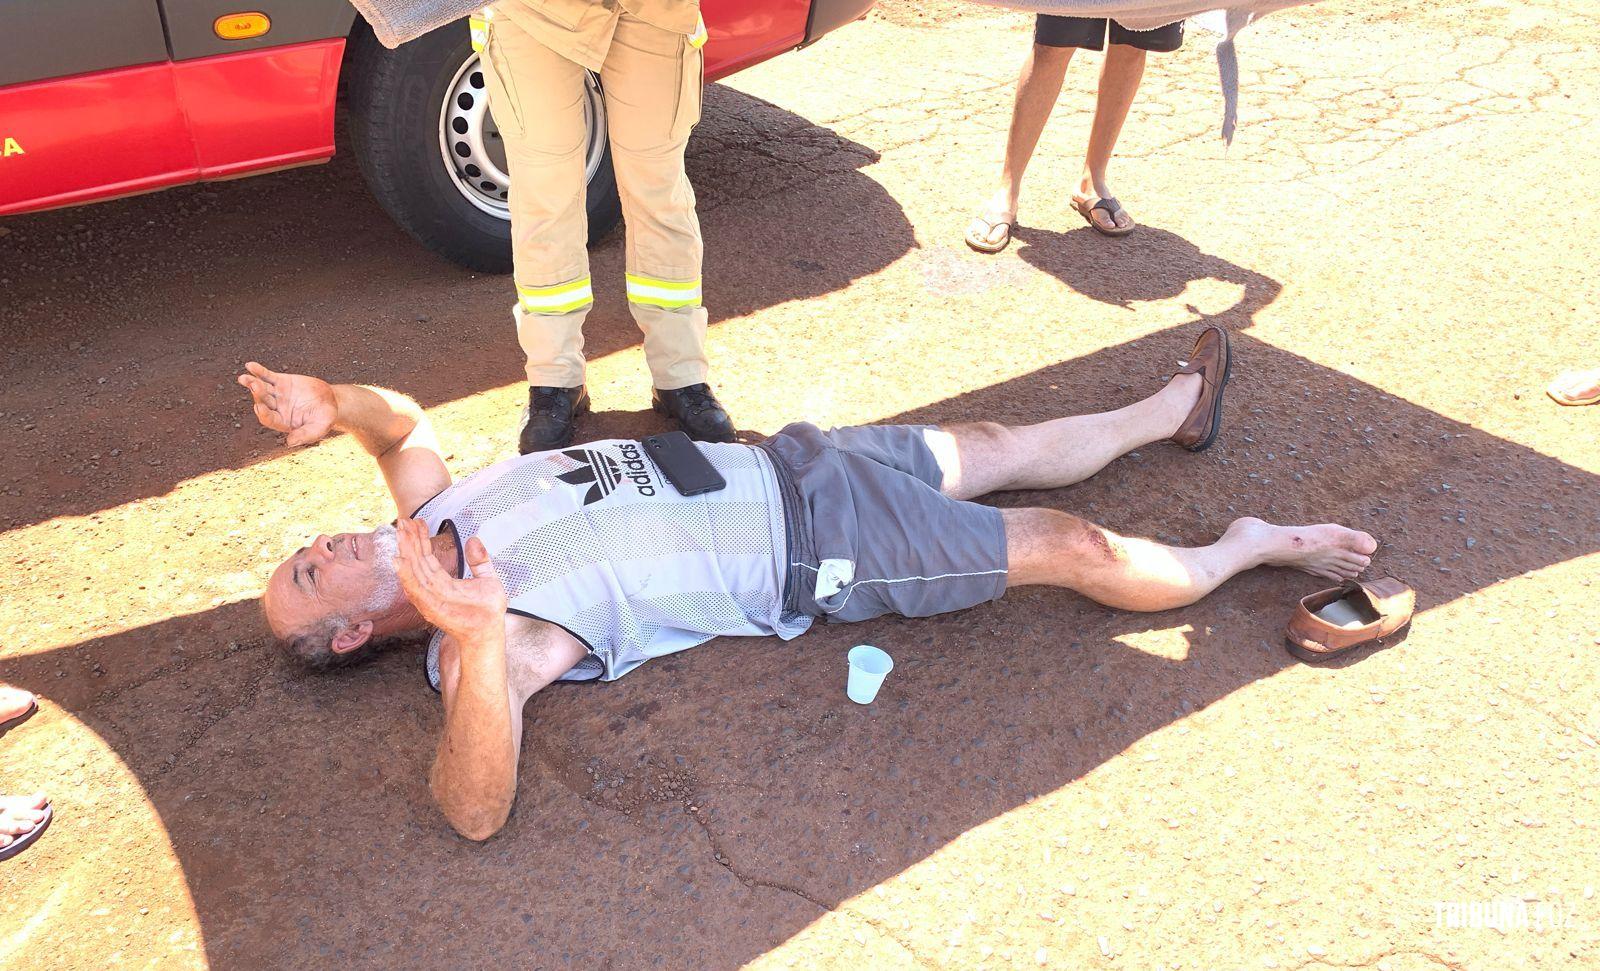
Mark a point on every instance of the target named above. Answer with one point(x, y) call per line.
point(1558, 391)
point(24, 840)
point(1111, 207)
point(991, 221)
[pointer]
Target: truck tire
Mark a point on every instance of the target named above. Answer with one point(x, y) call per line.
point(432, 155)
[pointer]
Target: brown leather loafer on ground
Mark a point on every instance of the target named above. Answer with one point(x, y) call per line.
point(1212, 359)
point(1330, 622)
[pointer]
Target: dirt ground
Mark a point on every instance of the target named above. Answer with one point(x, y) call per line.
point(1402, 240)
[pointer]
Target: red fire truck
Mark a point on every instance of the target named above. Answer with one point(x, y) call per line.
point(107, 98)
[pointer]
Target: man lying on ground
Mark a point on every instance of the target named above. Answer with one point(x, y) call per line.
point(584, 563)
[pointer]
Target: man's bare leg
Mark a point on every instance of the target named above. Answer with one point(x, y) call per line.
point(986, 457)
point(1045, 546)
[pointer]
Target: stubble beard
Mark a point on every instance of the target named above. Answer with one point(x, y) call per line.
point(385, 554)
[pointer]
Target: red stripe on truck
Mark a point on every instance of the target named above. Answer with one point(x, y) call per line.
point(111, 133)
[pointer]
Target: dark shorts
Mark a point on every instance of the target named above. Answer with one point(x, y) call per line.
point(870, 495)
point(1090, 33)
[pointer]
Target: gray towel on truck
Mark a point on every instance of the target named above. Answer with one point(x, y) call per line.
point(397, 21)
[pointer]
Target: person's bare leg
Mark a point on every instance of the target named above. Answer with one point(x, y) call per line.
point(1045, 546)
point(1119, 84)
point(1037, 91)
point(985, 457)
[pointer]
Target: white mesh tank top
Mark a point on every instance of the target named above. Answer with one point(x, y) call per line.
point(595, 540)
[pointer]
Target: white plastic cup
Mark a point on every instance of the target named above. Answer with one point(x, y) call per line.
point(868, 667)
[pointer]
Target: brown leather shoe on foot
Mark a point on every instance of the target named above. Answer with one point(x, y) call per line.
point(1330, 622)
point(1212, 359)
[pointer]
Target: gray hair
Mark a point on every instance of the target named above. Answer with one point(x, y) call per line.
point(313, 649)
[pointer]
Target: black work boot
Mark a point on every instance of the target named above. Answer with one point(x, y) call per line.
point(697, 412)
point(551, 415)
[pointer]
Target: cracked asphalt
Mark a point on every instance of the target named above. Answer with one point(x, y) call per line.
point(1401, 240)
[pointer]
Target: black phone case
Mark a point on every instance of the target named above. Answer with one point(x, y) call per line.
point(684, 465)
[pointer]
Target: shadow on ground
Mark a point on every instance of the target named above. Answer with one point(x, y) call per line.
point(712, 804)
point(1166, 265)
point(142, 362)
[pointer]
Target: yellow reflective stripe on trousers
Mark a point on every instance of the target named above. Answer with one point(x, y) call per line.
point(559, 299)
point(656, 292)
point(698, 38)
point(478, 26)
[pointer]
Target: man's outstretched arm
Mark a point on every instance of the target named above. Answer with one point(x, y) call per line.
point(390, 426)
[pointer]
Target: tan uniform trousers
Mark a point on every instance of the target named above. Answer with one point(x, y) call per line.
point(651, 79)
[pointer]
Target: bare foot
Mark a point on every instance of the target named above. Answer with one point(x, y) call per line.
point(1329, 551)
point(13, 702)
point(1576, 387)
point(19, 815)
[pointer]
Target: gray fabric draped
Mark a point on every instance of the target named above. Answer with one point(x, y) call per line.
point(397, 21)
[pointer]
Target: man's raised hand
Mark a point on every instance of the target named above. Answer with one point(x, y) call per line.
point(467, 609)
point(302, 408)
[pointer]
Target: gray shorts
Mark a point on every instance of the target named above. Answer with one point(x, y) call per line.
point(870, 495)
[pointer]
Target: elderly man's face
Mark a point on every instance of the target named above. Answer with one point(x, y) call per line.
point(350, 575)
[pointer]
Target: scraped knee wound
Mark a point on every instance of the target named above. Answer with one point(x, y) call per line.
point(1094, 539)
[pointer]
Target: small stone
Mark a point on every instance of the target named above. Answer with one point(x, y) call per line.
point(1316, 950)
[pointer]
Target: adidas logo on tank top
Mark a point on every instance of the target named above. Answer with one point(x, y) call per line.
point(595, 540)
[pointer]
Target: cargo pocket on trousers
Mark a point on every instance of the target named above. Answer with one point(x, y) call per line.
point(691, 90)
point(503, 101)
